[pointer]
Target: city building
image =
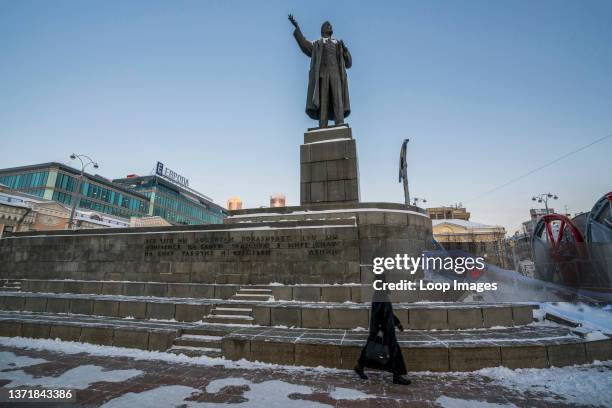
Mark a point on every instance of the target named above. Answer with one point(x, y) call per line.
point(165, 194)
point(234, 203)
point(277, 200)
point(535, 214)
point(170, 197)
point(153, 221)
point(57, 182)
point(449, 213)
point(12, 212)
point(472, 237)
point(518, 253)
point(23, 212)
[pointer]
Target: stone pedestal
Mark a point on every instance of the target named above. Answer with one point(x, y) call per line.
point(328, 161)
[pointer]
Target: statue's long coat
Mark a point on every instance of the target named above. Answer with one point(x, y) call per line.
point(314, 50)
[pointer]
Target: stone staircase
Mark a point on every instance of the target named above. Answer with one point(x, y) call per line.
point(239, 313)
point(235, 313)
point(260, 293)
point(10, 285)
point(438, 336)
point(197, 342)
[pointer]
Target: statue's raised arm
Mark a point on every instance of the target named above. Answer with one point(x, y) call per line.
point(303, 43)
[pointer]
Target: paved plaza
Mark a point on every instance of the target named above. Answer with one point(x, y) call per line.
point(106, 376)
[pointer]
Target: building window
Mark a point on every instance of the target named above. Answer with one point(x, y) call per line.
point(26, 180)
point(65, 182)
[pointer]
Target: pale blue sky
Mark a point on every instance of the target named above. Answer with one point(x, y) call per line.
point(485, 90)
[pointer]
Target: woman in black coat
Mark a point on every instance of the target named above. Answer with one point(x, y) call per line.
point(383, 321)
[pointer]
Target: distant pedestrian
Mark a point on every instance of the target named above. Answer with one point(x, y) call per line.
point(382, 350)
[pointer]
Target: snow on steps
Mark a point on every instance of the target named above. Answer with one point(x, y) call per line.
point(228, 319)
point(10, 285)
point(197, 340)
point(249, 296)
point(196, 351)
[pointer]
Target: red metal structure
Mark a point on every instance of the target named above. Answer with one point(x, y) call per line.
point(563, 255)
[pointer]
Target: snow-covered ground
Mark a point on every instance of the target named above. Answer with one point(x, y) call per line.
point(271, 394)
point(590, 317)
point(577, 385)
point(589, 384)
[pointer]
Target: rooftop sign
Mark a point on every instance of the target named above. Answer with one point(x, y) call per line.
point(162, 171)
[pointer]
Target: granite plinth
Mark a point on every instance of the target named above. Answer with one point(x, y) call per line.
point(328, 167)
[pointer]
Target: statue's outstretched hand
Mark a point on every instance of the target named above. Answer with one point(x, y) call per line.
point(292, 19)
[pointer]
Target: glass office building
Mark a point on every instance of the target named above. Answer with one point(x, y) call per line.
point(58, 182)
point(179, 205)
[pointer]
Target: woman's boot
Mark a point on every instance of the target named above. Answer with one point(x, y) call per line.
point(359, 370)
point(398, 379)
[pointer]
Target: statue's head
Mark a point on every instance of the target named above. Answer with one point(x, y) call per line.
point(326, 29)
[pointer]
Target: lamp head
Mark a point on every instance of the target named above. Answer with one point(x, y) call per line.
point(73, 156)
point(96, 165)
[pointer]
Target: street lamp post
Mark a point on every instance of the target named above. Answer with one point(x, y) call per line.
point(543, 198)
point(77, 196)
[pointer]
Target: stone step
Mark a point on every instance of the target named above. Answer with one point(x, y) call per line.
point(534, 346)
point(561, 320)
point(197, 340)
point(145, 335)
point(307, 293)
point(244, 291)
point(249, 296)
point(196, 351)
point(132, 288)
point(232, 311)
point(216, 331)
point(10, 288)
point(228, 319)
point(235, 305)
point(420, 316)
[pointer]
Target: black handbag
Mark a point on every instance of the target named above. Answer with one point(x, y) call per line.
point(377, 352)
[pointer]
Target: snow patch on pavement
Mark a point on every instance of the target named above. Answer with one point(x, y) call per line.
point(217, 385)
point(79, 378)
point(274, 393)
point(10, 360)
point(448, 402)
point(271, 394)
point(348, 394)
point(162, 397)
point(588, 385)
